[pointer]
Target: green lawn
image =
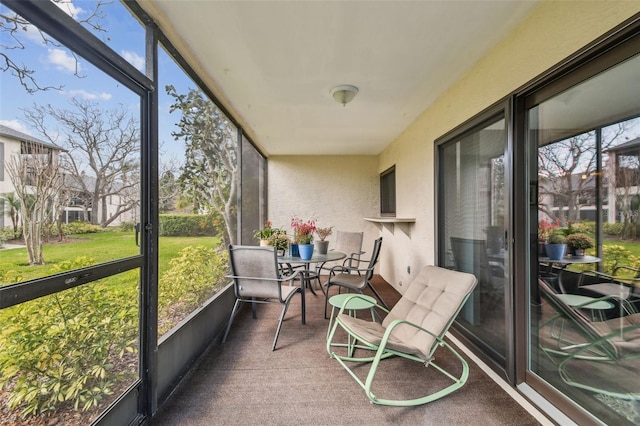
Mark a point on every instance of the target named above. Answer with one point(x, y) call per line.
point(102, 247)
point(632, 246)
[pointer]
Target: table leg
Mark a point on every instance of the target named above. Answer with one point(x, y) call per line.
point(304, 305)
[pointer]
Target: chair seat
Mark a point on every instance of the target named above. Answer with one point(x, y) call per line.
point(353, 281)
point(287, 290)
point(372, 332)
point(628, 341)
point(609, 289)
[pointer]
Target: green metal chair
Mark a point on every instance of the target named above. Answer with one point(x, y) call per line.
point(413, 329)
point(573, 338)
point(257, 279)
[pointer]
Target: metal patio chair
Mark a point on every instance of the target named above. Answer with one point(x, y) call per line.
point(257, 279)
point(355, 278)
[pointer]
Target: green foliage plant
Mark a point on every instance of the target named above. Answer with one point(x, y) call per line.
point(195, 275)
point(279, 239)
point(556, 237)
point(62, 349)
point(78, 228)
point(187, 225)
point(613, 256)
point(613, 229)
point(266, 232)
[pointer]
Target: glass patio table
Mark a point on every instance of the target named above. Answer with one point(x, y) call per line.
point(331, 255)
point(565, 262)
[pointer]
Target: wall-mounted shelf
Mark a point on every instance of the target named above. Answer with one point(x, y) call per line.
point(391, 222)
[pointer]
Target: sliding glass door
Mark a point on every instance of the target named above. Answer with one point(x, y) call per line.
point(584, 141)
point(472, 227)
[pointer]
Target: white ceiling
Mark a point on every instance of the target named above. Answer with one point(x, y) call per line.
point(275, 62)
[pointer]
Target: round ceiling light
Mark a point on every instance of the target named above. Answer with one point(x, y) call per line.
point(344, 94)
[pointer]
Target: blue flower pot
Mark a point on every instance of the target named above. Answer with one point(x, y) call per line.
point(555, 251)
point(293, 250)
point(306, 251)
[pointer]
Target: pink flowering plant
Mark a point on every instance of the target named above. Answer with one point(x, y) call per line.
point(303, 230)
point(546, 229)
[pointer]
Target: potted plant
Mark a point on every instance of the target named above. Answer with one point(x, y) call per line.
point(545, 228)
point(556, 245)
point(577, 243)
point(303, 236)
point(322, 246)
point(264, 233)
point(280, 241)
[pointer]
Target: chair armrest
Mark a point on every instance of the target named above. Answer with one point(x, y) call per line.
point(352, 258)
point(340, 268)
point(598, 274)
point(281, 279)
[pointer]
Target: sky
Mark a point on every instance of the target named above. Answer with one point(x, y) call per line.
point(73, 76)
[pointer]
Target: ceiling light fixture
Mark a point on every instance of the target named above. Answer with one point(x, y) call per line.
point(344, 94)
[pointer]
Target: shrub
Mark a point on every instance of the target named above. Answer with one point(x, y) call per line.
point(127, 226)
point(584, 227)
point(183, 225)
point(10, 276)
point(193, 276)
point(76, 228)
point(612, 229)
point(61, 349)
point(7, 234)
point(614, 255)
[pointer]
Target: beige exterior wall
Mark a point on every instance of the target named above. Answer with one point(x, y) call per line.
point(552, 32)
point(336, 191)
point(11, 148)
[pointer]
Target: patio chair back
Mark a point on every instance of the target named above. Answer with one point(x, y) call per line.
point(255, 271)
point(351, 244)
point(616, 337)
point(432, 301)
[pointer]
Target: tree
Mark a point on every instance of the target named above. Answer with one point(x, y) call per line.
point(102, 154)
point(36, 176)
point(624, 179)
point(15, 30)
point(12, 206)
point(209, 174)
point(566, 171)
point(169, 187)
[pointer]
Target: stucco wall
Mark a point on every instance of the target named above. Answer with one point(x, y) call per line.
point(337, 191)
point(340, 191)
point(553, 31)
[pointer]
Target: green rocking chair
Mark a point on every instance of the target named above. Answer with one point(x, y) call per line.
point(413, 329)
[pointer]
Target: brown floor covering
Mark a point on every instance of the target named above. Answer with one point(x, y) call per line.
point(244, 383)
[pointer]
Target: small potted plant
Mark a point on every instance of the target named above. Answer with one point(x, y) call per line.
point(322, 246)
point(280, 241)
point(264, 233)
point(556, 245)
point(303, 236)
point(577, 243)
